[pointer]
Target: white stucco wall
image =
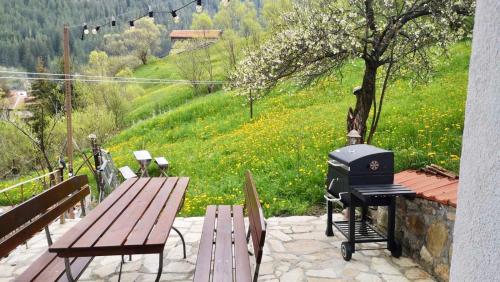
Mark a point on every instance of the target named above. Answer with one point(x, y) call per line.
point(476, 247)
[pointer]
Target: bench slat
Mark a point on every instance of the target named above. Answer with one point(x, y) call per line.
point(122, 227)
point(77, 268)
point(31, 208)
point(166, 219)
point(204, 259)
point(68, 238)
point(36, 267)
point(48, 267)
point(143, 228)
point(241, 257)
point(101, 226)
point(223, 261)
point(36, 225)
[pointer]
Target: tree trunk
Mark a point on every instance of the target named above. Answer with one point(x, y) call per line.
point(356, 119)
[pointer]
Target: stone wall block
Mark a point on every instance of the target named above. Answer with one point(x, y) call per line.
point(437, 236)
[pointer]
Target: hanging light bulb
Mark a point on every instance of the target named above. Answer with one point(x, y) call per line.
point(95, 30)
point(199, 6)
point(150, 12)
point(113, 21)
point(85, 29)
point(131, 24)
point(176, 17)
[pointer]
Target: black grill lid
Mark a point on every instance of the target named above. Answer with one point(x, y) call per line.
point(359, 158)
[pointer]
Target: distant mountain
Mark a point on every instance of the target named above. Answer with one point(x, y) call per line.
point(33, 28)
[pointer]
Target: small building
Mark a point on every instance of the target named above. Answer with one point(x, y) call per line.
point(209, 34)
point(187, 40)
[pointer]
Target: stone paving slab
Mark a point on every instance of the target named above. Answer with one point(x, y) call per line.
point(296, 250)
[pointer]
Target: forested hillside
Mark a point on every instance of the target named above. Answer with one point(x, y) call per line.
point(33, 28)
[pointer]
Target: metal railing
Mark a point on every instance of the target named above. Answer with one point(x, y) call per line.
point(31, 187)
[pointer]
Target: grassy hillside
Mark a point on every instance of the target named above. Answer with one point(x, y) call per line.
point(212, 139)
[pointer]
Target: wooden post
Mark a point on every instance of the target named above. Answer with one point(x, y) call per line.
point(68, 103)
point(251, 105)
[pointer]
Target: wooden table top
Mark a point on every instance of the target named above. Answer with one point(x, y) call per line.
point(135, 219)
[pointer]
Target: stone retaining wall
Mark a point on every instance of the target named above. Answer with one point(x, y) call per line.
point(425, 230)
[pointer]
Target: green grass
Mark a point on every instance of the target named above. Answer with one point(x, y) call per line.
point(212, 140)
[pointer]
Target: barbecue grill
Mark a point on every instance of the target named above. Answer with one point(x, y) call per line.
point(362, 176)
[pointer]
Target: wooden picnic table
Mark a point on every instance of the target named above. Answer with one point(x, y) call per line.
point(135, 219)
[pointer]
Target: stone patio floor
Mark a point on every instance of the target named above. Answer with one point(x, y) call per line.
point(296, 250)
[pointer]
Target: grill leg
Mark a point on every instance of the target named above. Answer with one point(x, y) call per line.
point(352, 221)
point(391, 224)
point(364, 212)
point(329, 220)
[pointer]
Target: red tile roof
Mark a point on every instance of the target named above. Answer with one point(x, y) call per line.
point(431, 187)
point(189, 34)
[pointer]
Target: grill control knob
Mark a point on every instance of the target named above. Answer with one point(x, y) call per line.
point(374, 165)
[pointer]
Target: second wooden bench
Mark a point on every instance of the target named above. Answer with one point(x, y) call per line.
point(223, 253)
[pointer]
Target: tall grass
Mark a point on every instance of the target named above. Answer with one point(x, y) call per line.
point(212, 140)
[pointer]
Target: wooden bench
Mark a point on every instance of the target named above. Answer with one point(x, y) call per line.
point(223, 253)
point(25, 220)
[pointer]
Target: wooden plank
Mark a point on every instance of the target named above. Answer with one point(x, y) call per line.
point(143, 228)
point(78, 266)
point(53, 271)
point(123, 225)
point(36, 225)
point(223, 258)
point(204, 259)
point(255, 216)
point(90, 237)
point(36, 267)
point(241, 257)
point(26, 211)
point(160, 233)
point(68, 238)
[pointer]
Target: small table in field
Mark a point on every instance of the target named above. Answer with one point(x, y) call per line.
point(135, 219)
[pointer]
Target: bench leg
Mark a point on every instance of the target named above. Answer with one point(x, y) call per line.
point(182, 239)
point(82, 202)
point(67, 266)
point(47, 233)
point(160, 267)
point(256, 274)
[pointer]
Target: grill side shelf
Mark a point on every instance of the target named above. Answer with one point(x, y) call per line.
point(364, 232)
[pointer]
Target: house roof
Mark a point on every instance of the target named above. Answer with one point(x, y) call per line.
point(430, 186)
point(192, 34)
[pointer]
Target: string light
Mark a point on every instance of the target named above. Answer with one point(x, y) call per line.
point(199, 7)
point(150, 13)
point(176, 17)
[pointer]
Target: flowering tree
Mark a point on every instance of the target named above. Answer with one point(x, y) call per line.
point(318, 36)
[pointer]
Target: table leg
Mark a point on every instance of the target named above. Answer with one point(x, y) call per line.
point(120, 272)
point(182, 239)
point(160, 267)
point(67, 266)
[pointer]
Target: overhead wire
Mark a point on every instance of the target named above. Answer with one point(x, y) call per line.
point(80, 77)
point(117, 80)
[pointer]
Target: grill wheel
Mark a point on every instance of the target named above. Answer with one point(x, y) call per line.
point(346, 250)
